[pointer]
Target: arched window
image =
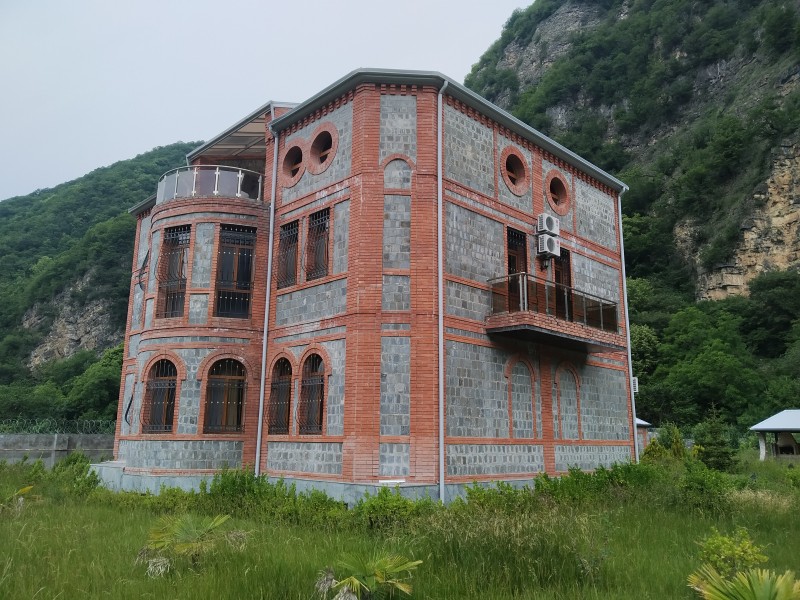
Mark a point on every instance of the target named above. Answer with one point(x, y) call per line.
point(312, 393)
point(280, 397)
point(225, 397)
point(159, 400)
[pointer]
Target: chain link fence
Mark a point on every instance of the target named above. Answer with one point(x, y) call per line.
point(86, 426)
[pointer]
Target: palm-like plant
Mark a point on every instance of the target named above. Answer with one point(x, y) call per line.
point(370, 578)
point(185, 535)
point(754, 584)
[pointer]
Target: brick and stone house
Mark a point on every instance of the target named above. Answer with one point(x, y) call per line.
point(393, 282)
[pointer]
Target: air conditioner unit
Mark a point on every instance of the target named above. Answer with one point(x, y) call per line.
point(635, 385)
point(549, 245)
point(547, 224)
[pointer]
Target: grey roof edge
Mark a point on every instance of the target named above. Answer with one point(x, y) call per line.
point(144, 205)
point(785, 420)
point(455, 90)
point(244, 121)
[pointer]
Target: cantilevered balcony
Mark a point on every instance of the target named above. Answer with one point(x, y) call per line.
point(209, 182)
point(534, 309)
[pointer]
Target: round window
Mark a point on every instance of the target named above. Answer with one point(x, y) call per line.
point(323, 148)
point(293, 165)
point(557, 193)
point(515, 173)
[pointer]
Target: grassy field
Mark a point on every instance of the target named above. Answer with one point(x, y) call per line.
point(631, 532)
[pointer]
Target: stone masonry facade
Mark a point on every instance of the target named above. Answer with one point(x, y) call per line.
point(343, 310)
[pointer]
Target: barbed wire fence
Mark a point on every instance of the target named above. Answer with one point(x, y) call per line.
point(85, 426)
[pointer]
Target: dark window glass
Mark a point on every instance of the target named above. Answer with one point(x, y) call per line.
point(235, 271)
point(225, 392)
point(159, 400)
point(172, 271)
point(280, 397)
point(317, 245)
point(312, 394)
point(287, 255)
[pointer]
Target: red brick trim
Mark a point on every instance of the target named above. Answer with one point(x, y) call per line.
point(563, 207)
point(523, 184)
point(311, 160)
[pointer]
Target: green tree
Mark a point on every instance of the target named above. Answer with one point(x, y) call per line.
point(95, 392)
point(713, 438)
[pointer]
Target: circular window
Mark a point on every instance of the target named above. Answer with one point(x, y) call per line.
point(323, 148)
point(293, 165)
point(515, 173)
point(557, 193)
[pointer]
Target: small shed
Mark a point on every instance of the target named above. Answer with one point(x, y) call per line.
point(644, 432)
point(785, 428)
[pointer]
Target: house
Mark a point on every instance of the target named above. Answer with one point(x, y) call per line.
point(393, 282)
point(785, 427)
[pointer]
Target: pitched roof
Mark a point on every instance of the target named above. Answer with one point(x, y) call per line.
point(786, 420)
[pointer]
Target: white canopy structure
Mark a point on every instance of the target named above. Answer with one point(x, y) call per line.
point(784, 426)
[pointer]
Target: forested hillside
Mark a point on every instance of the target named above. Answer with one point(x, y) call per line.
point(696, 106)
point(68, 249)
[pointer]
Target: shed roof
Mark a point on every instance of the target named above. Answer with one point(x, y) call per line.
point(642, 423)
point(786, 420)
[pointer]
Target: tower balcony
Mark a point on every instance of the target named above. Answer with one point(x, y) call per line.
point(209, 181)
point(534, 309)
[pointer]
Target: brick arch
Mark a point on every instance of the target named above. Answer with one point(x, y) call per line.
point(398, 158)
point(561, 208)
point(180, 376)
point(508, 371)
point(558, 413)
point(315, 348)
point(521, 186)
point(282, 354)
point(205, 366)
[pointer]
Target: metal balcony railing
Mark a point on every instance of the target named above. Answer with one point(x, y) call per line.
point(208, 181)
point(522, 292)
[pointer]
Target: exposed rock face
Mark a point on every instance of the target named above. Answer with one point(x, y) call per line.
point(770, 236)
point(75, 326)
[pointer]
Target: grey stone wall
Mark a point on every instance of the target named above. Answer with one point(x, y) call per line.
point(590, 457)
point(53, 447)
point(341, 235)
point(305, 457)
point(397, 175)
point(127, 397)
point(395, 385)
point(566, 220)
point(604, 404)
point(595, 278)
point(136, 312)
point(311, 304)
point(468, 152)
point(398, 127)
point(565, 391)
point(340, 166)
point(198, 309)
point(336, 350)
point(189, 401)
point(144, 233)
point(476, 391)
point(155, 251)
point(466, 301)
point(522, 401)
point(595, 215)
point(474, 245)
point(181, 454)
point(396, 232)
point(506, 196)
point(203, 250)
point(488, 459)
point(395, 460)
point(133, 345)
point(310, 333)
point(396, 292)
point(148, 313)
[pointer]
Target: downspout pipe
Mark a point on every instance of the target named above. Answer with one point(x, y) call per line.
point(269, 295)
point(440, 266)
point(627, 328)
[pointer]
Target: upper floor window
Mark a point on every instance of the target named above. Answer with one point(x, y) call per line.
point(312, 394)
point(172, 271)
point(287, 254)
point(225, 392)
point(235, 271)
point(159, 400)
point(317, 244)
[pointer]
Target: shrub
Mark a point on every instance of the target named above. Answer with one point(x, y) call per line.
point(731, 554)
point(703, 489)
point(389, 509)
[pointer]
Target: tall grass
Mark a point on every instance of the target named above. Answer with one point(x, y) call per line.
point(627, 532)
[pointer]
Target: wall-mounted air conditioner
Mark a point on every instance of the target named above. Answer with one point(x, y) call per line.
point(549, 245)
point(635, 385)
point(547, 224)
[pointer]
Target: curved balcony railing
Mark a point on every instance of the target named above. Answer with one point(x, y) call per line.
point(208, 181)
point(522, 292)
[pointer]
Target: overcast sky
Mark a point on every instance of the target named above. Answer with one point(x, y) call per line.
point(85, 83)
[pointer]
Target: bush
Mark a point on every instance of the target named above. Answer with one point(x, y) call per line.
point(731, 554)
point(703, 489)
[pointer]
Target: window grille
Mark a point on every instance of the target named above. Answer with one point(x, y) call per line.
point(317, 244)
point(312, 392)
point(172, 271)
point(159, 401)
point(280, 397)
point(235, 271)
point(225, 393)
point(287, 255)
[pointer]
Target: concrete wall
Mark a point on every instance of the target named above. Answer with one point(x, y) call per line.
point(181, 454)
point(51, 448)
